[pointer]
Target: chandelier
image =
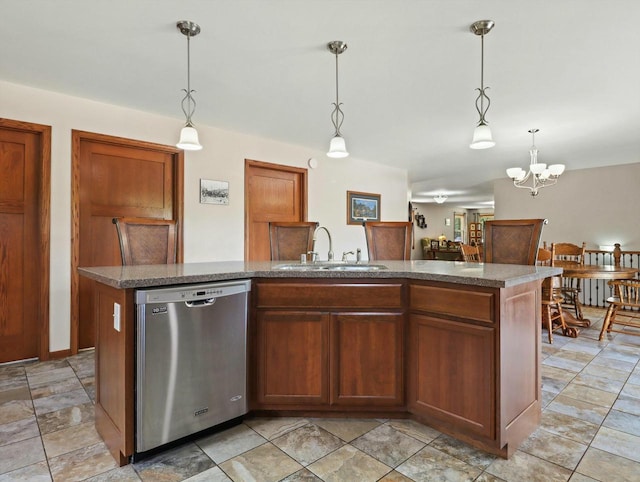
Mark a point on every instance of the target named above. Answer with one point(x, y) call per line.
point(188, 135)
point(337, 147)
point(482, 138)
point(539, 175)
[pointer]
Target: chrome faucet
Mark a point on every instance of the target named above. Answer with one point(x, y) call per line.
point(330, 254)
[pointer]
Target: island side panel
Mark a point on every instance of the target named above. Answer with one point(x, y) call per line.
point(114, 404)
point(519, 363)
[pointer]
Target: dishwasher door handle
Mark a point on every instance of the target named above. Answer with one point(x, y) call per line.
point(200, 303)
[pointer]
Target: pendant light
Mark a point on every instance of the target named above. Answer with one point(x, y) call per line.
point(188, 135)
point(337, 147)
point(482, 138)
point(539, 174)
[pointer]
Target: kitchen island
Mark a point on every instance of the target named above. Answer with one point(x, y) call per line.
point(453, 345)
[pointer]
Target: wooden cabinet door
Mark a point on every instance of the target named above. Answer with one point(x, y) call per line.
point(366, 359)
point(292, 358)
point(451, 375)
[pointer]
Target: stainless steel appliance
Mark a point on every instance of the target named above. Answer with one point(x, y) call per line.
point(191, 359)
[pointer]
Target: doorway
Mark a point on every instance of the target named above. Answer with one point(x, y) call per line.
point(25, 163)
point(112, 177)
point(272, 192)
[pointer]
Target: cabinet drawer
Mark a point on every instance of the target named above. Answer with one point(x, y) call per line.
point(329, 295)
point(472, 305)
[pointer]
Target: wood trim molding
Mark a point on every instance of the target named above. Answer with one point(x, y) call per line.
point(44, 224)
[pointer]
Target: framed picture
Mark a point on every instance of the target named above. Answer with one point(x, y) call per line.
point(478, 234)
point(435, 244)
point(362, 206)
point(214, 192)
point(472, 227)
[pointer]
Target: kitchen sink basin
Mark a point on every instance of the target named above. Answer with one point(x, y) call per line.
point(357, 267)
point(333, 266)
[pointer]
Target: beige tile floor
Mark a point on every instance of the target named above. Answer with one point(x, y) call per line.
point(590, 430)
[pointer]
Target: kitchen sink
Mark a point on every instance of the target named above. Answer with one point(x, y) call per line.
point(330, 266)
point(357, 267)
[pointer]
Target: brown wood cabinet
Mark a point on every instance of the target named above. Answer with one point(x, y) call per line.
point(317, 346)
point(473, 368)
point(462, 358)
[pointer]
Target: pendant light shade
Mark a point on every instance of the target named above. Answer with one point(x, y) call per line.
point(189, 139)
point(337, 147)
point(482, 138)
point(188, 135)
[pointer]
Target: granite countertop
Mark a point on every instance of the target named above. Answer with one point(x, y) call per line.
point(478, 274)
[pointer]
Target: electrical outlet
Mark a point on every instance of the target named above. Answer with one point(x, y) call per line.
point(116, 316)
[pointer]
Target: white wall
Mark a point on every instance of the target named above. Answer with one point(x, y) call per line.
point(598, 206)
point(211, 232)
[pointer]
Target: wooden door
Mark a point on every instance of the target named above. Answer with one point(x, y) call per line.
point(25, 157)
point(271, 193)
point(115, 177)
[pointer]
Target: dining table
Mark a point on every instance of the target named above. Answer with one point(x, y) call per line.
point(591, 271)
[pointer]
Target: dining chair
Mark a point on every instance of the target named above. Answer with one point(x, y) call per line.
point(570, 255)
point(288, 240)
point(389, 240)
point(552, 315)
point(624, 308)
point(471, 254)
point(146, 240)
point(512, 241)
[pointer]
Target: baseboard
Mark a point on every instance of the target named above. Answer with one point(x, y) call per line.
point(59, 354)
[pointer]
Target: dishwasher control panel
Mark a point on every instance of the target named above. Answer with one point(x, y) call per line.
point(192, 293)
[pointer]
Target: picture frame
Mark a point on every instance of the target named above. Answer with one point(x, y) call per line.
point(435, 244)
point(472, 227)
point(362, 206)
point(478, 234)
point(214, 192)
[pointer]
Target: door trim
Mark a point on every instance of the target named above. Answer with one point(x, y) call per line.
point(178, 208)
point(275, 167)
point(44, 224)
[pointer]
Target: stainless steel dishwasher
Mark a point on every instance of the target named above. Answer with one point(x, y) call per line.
point(191, 359)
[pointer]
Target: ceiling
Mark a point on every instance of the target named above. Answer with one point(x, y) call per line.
point(407, 79)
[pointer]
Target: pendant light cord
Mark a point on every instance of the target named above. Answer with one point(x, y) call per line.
point(337, 116)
